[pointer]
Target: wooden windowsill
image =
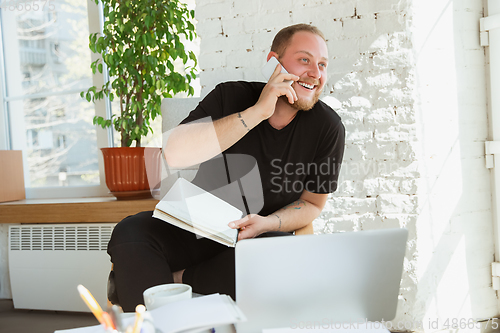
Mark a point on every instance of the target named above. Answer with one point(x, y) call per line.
point(72, 210)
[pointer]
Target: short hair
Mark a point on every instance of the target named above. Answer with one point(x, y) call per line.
point(283, 37)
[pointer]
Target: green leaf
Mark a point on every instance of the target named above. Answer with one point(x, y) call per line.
point(140, 43)
point(170, 66)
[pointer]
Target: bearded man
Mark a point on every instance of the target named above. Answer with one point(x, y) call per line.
point(291, 137)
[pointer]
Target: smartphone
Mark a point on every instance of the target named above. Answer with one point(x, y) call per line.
point(269, 68)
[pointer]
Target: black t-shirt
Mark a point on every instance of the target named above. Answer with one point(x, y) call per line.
point(304, 155)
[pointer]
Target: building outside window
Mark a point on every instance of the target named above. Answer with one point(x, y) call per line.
point(46, 65)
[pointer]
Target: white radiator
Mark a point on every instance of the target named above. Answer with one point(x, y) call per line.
point(48, 261)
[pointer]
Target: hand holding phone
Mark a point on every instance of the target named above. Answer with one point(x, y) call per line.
point(271, 92)
point(269, 68)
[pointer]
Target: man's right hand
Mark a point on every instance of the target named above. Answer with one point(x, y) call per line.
point(275, 88)
point(190, 144)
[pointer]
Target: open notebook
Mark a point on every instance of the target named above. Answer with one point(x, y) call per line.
point(191, 208)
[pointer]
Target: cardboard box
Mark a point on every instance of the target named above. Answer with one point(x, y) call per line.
point(11, 175)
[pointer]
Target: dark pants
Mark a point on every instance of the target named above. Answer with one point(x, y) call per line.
point(146, 251)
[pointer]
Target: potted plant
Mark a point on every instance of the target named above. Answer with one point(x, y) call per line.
point(140, 42)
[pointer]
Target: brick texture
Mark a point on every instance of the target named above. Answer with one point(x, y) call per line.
point(374, 63)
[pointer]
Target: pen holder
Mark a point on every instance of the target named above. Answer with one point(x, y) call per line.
point(127, 324)
point(148, 325)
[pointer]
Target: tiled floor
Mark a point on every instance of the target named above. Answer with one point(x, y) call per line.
point(34, 321)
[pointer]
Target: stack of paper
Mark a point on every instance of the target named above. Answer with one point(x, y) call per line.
point(191, 315)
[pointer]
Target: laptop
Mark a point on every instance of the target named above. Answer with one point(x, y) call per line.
point(325, 279)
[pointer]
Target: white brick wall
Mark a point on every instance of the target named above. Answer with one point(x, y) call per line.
point(414, 108)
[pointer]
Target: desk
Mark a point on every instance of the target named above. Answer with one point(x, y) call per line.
point(72, 210)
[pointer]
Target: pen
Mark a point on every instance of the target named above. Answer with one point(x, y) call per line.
point(115, 316)
point(139, 317)
point(92, 304)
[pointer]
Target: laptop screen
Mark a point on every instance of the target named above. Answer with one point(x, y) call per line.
point(330, 278)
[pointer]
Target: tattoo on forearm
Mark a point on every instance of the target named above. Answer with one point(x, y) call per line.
point(296, 205)
point(243, 122)
point(279, 227)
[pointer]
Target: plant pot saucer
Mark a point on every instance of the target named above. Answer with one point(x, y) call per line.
point(132, 195)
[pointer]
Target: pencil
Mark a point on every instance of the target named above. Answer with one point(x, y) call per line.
point(139, 317)
point(108, 321)
point(91, 303)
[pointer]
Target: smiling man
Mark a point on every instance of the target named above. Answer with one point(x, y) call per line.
point(297, 143)
point(300, 59)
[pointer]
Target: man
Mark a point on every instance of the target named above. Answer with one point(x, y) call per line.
point(297, 143)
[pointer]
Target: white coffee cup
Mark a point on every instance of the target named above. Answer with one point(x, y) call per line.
point(157, 296)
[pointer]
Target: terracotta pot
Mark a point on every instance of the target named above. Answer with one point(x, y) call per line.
point(132, 172)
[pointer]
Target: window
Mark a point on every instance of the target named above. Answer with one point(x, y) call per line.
point(46, 63)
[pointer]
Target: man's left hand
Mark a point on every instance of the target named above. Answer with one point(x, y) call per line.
point(251, 226)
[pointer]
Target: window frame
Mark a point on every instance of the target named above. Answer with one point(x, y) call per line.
point(104, 137)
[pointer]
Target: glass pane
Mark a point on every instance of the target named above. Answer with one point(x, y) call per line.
point(61, 141)
point(47, 64)
point(52, 46)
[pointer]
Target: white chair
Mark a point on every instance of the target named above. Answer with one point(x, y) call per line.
point(173, 111)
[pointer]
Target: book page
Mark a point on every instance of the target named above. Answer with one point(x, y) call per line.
point(174, 202)
point(200, 209)
point(225, 238)
point(211, 212)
